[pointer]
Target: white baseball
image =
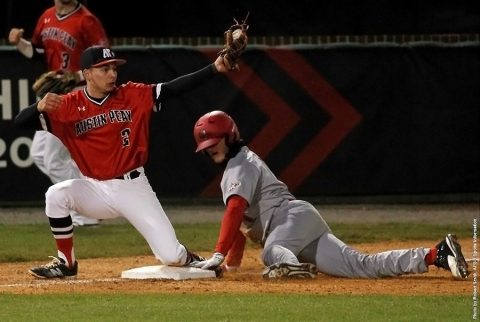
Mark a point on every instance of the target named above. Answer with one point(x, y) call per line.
point(236, 33)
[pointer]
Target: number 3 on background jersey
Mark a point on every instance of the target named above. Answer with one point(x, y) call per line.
point(65, 60)
point(125, 137)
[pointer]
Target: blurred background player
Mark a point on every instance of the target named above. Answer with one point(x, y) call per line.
point(296, 240)
point(61, 34)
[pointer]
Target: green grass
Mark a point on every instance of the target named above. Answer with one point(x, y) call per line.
point(367, 233)
point(35, 242)
point(233, 307)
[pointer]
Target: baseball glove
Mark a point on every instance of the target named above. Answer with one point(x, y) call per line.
point(235, 43)
point(58, 82)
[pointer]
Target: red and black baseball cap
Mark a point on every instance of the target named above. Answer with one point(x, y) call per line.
point(97, 56)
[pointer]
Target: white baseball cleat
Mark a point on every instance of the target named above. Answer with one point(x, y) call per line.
point(287, 270)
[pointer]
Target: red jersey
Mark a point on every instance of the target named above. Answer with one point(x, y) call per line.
point(65, 38)
point(109, 138)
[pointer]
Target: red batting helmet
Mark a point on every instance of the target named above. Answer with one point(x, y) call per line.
point(213, 127)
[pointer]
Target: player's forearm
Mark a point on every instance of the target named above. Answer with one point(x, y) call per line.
point(28, 117)
point(25, 47)
point(187, 82)
point(235, 254)
point(232, 219)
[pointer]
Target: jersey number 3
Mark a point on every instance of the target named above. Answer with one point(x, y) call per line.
point(125, 133)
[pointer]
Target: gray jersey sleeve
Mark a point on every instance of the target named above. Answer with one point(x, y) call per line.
point(240, 178)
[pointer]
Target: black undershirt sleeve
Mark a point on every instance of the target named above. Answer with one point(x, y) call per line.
point(187, 82)
point(28, 117)
point(38, 54)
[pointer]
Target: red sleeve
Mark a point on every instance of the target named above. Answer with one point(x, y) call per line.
point(230, 227)
point(235, 254)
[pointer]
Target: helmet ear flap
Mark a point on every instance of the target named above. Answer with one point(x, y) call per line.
point(234, 135)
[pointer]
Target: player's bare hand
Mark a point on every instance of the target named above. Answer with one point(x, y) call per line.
point(50, 102)
point(220, 65)
point(15, 35)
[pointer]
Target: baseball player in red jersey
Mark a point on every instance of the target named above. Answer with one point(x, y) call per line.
point(106, 129)
point(61, 34)
point(296, 240)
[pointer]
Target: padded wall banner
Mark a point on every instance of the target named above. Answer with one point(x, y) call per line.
point(334, 121)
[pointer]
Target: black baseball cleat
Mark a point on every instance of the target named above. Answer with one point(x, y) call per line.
point(192, 258)
point(450, 257)
point(218, 271)
point(286, 270)
point(55, 269)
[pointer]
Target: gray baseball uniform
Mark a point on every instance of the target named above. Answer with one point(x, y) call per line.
point(292, 230)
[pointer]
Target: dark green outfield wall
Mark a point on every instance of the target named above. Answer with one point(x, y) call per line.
point(330, 121)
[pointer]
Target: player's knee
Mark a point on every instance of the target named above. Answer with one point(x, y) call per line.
point(57, 194)
point(278, 254)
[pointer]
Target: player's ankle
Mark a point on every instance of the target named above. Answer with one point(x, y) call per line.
point(431, 256)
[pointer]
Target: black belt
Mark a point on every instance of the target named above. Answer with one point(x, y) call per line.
point(130, 175)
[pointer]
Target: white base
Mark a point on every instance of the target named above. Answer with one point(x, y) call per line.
point(167, 272)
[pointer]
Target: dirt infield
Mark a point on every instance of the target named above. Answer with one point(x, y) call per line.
point(103, 276)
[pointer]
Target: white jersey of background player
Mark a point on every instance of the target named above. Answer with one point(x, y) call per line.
point(78, 29)
point(296, 241)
